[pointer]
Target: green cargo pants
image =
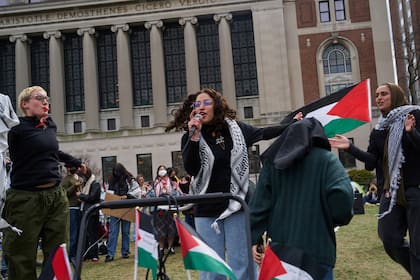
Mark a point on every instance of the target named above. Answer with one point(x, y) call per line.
point(43, 214)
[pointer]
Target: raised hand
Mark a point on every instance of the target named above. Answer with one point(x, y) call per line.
point(410, 123)
point(339, 142)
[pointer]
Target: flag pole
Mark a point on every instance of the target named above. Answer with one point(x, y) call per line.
point(135, 244)
point(188, 274)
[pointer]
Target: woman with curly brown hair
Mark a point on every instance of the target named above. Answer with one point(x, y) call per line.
point(215, 153)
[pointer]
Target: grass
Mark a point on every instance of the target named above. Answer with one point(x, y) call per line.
point(360, 256)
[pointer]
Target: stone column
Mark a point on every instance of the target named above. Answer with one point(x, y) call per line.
point(158, 73)
point(22, 62)
point(57, 89)
point(125, 86)
point(90, 79)
point(226, 58)
point(191, 54)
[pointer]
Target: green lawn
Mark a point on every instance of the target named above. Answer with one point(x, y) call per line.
point(359, 256)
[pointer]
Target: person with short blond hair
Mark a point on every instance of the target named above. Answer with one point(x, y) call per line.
point(36, 201)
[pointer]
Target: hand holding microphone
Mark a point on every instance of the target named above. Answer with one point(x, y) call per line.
point(195, 124)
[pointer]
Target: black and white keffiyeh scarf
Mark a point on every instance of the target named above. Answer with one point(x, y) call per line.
point(394, 122)
point(239, 170)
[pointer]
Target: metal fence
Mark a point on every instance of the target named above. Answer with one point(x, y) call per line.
point(144, 202)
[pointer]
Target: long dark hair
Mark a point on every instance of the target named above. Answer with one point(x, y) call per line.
point(119, 175)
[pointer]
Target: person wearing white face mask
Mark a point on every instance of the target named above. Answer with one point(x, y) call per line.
point(164, 224)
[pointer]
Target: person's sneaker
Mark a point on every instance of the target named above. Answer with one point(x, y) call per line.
point(108, 258)
point(171, 251)
point(125, 256)
point(95, 260)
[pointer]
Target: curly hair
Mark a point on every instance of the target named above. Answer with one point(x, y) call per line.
point(182, 114)
point(221, 111)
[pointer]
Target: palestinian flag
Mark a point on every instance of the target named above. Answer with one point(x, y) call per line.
point(342, 111)
point(57, 266)
point(197, 254)
point(289, 264)
point(147, 246)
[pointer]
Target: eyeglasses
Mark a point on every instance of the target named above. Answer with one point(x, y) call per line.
point(205, 102)
point(41, 98)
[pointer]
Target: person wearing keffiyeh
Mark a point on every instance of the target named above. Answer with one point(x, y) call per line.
point(394, 151)
point(215, 152)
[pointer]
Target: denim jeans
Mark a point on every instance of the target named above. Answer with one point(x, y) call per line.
point(329, 274)
point(3, 264)
point(75, 216)
point(231, 242)
point(114, 228)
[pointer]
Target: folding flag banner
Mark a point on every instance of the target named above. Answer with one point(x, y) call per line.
point(147, 246)
point(342, 111)
point(289, 264)
point(197, 254)
point(57, 266)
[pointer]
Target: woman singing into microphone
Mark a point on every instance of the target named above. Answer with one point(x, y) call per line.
point(215, 153)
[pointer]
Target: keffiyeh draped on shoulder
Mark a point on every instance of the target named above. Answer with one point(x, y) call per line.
point(239, 170)
point(394, 122)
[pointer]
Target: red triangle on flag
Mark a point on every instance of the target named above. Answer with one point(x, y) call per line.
point(271, 266)
point(61, 265)
point(186, 239)
point(355, 104)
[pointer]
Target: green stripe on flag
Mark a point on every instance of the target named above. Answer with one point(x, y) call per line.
point(145, 259)
point(199, 261)
point(341, 126)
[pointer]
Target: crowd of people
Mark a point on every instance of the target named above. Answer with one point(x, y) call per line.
point(294, 210)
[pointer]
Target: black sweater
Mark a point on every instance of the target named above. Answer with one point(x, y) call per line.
point(221, 173)
point(373, 157)
point(35, 155)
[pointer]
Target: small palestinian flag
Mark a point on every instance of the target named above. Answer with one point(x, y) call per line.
point(147, 246)
point(289, 264)
point(197, 254)
point(342, 111)
point(57, 266)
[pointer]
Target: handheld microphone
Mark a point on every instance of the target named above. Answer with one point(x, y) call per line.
point(193, 128)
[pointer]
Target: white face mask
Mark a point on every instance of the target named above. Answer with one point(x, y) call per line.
point(162, 173)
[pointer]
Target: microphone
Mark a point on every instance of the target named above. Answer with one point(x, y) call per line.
point(193, 128)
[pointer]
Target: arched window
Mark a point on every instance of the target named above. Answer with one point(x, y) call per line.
point(336, 59)
point(337, 68)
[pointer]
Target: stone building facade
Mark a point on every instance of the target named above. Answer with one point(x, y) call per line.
point(116, 69)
